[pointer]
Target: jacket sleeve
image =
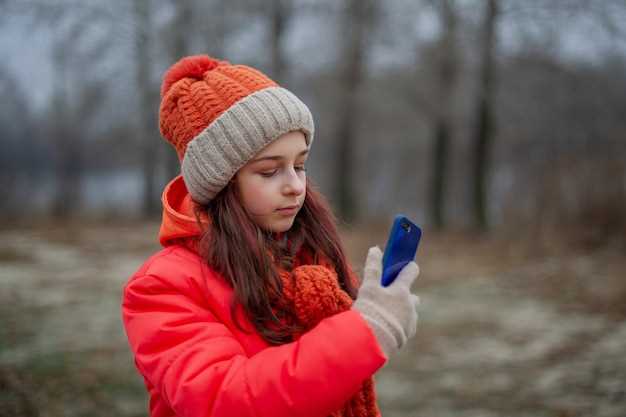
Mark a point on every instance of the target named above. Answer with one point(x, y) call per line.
point(202, 370)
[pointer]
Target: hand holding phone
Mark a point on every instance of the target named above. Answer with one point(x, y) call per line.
point(401, 247)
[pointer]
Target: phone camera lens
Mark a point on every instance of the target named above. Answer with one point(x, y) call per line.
point(406, 226)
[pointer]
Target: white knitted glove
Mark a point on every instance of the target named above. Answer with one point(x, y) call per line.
point(390, 311)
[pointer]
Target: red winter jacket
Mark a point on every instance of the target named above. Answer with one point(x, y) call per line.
point(196, 362)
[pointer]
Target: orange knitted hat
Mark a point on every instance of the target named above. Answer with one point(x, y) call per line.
point(218, 116)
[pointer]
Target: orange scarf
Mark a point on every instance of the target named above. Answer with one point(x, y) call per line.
point(314, 293)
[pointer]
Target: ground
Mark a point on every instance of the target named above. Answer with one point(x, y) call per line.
point(505, 329)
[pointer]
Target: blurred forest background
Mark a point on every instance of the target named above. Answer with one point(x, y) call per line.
point(459, 113)
point(498, 125)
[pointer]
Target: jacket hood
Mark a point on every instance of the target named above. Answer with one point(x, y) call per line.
point(179, 223)
point(179, 220)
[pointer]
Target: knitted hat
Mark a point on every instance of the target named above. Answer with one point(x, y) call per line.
point(218, 116)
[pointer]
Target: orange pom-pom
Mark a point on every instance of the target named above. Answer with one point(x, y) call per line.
point(189, 67)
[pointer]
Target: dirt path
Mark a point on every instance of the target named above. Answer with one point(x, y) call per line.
point(492, 341)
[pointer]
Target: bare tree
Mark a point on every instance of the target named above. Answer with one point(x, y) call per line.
point(358, 19)
point(482, 136)
point(180, 27)
point(280, 12)
point(76, 94)
point(16, 124)
point(179, 48)
point(66, 150)
point(447, 74)
point(75, 99)
point(147, 100)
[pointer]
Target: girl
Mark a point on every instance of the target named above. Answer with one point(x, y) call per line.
point(251, 308)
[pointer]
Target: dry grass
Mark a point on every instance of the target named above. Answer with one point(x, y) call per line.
point(540, 328)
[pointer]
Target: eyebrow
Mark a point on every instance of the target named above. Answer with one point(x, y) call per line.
point(277, 157)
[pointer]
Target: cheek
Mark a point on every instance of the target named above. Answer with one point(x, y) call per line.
point(256, 196)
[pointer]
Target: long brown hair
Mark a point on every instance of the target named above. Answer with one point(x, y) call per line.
point(242, 253)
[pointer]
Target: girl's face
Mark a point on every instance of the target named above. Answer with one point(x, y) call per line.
point(272, 185)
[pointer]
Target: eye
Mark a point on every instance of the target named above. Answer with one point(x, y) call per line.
point(268, 174)
point(300, 168)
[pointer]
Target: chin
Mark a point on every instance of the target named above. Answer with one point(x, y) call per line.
point(279, 226)
point(281, 229)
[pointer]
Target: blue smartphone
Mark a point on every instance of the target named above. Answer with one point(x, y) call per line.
point(401, 247)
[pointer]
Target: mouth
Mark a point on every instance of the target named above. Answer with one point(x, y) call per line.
point(288, 210)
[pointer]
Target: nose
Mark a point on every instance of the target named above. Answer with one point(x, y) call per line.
point(294, 184)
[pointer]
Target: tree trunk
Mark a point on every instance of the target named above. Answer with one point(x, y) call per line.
point(359, 15)
point(68, 153)
point(483, 130)
point(442, 132)
point(280, 13)
point(180, 48)
point(147, 106)
point(217, 29)
point(441, 151)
